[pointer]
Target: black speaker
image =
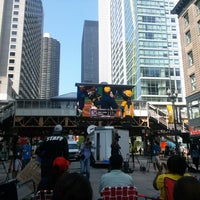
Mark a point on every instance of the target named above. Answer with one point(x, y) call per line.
point(8, 191)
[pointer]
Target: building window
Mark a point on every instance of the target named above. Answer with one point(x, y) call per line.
point(188, 37)
point(11, 68)
point(173, 20)
point(150, 19)
point(173, 28)
point(16, 6)
point(190, 58)
point(14, 32)
point(15, 19)
point(11, 61)
point(198, 7)
point(13, 46)
point(12, 53)
point(15, 13)
point(171, 71)
point(177, 70)
point(193, 82)
point(175, 44)
point(13, 39)
point(194, 109)
point(174, 36)
point(149, 35)
point(10, 75)
point(186, 19)
point(14, 26)
point(175, 53)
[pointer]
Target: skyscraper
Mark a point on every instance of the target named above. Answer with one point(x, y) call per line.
point(104, 41)
point(50, 68)
point(145, 48)
point(21, 33)
point(90, 57)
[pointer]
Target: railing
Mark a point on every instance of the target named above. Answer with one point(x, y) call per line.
point(40, 107)
point(7, 111)
point(162, 117)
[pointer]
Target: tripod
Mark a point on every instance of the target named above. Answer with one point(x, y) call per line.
point(149, 161)
point(142, 166)
point(4, 171)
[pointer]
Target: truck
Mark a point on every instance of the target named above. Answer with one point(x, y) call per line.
point(73, 149)
point(102, 137)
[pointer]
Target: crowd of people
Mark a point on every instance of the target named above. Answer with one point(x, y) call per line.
point(52, 154)
point(21, 155)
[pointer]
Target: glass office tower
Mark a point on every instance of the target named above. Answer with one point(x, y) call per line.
point(145, 48)
point(89, 53)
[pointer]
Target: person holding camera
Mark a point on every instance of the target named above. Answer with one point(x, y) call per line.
point(115, 147)
point(85, 150)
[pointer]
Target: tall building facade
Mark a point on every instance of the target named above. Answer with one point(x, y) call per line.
point(104, 41)
point(145, 48)
point(50, 68)
point(89, 51)
point(189, 22)
point(21, 23)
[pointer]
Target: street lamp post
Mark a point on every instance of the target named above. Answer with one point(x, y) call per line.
point(173, 96)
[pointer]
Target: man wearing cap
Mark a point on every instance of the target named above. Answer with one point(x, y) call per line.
point(54, 146)
point(60, 167)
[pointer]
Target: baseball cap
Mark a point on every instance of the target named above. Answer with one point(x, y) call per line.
point(61, 163)
point(58, 128)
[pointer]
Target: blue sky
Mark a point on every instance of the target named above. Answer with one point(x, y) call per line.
point(64, 20)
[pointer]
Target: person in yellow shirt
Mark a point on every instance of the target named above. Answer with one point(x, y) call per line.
point(175, 169)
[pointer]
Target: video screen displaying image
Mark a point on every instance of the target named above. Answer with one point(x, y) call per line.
point(98, 100)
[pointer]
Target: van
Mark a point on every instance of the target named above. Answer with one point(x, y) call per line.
point(73, 150)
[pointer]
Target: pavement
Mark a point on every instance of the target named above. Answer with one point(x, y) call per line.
point(142, 179)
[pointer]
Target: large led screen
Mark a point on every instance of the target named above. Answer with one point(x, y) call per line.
point(104, 100)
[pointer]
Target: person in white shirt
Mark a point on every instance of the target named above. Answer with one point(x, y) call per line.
point(115, 177)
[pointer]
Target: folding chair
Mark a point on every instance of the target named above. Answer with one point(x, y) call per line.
point(44, 195)
point(123, 193)
point(169, 188)
point(119, 193)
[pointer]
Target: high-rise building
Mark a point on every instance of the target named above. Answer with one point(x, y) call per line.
point(189, 22)
point(50, 68)
point(144, 48)
point(21, 23)
point(90, 55)
point(104, 42)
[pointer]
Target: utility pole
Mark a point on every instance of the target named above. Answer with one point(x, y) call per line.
point(173, 96)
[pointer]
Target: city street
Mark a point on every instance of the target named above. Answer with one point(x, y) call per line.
point(142, 179)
